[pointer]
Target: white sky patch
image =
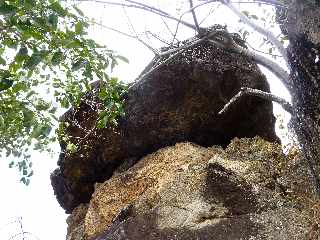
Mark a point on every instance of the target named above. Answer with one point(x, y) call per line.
point(36, 204)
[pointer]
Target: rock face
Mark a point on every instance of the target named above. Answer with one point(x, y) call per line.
point(178, 102)
point(191, 192)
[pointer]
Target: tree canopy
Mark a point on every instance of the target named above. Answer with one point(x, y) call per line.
point(47, 61)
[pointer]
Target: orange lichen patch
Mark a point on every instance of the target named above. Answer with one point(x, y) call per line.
point(149, 174)
point(105, 206)
point(187, 190)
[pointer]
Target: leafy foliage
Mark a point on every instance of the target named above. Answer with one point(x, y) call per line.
point(111, 96)
point(46, 57)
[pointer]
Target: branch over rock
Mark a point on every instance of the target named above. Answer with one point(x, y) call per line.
point(179, 101)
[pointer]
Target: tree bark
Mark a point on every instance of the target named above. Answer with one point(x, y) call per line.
point(301, 23)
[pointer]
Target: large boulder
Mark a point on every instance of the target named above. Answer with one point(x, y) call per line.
point(190, 192)
point(177, 102)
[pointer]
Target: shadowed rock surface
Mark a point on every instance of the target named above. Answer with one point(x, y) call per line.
point(190, 192)
point(178, 102)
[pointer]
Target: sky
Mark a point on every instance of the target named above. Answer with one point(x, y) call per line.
point(36, 204)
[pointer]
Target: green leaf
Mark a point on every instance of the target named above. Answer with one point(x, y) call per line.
point(79, 28)
point(102, 122)
point(245, 13)
point(29, 4)
point(113, 64)
point(57, 58)
point(2, 61)
point(122, 58)
point(11, 164)
point(30, 174)
point(53, 20)
point(20, 86)
point(78, 11)
point(21, 55)
point(30, 94)
point(41, 131)
point(78, 64)
point(71, 147)
point(41, 105)
point(23, 180)
point(24, 25)
point(1, 122)
point(76, 43)
point(5, 83)
point(6, 8)
point(88, 71)
point(34, 60)
point(55, 6)
point(11, 43)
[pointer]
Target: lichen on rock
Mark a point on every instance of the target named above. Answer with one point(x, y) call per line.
point(190, 192)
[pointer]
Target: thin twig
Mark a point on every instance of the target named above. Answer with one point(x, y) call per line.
point(136, 35)
point(262, 2)
point(157, 37)
point(194, 17)
point(212, 9)
point(142, 78)
point(257, 93)
point(270, 54)
point(167, 26)
point(181, 16)
point(267, 2)
point(130, 22)
point(144, 7)
point(230, 45)
point(23, 233)
point(127, 35)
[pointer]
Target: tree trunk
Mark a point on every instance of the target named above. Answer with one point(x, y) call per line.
point(301, 23)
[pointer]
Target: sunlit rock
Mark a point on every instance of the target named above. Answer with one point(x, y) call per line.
point(190, 192)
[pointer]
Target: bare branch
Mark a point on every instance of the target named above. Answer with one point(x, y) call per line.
point(167, 26)
point(275, 3)
point(270, 65)
point(143, 7)
point(209, 13)
point(181, 16)
point(211, 36)
point(194, 16)
point(229, 44)
point(269, 35)
point(267, 2)
point(136, 35)
point(178, 51)
point(23, 235)
point(265, 53)
point(157, 37)
point(175, 52)
point(257, 93)
point(127, 35)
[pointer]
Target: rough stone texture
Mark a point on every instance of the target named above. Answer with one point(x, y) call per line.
point(178, 102)
point(191, 192)
point(75, 222)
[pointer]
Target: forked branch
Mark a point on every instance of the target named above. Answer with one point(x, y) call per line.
point(194, 17)
point(256, 93)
